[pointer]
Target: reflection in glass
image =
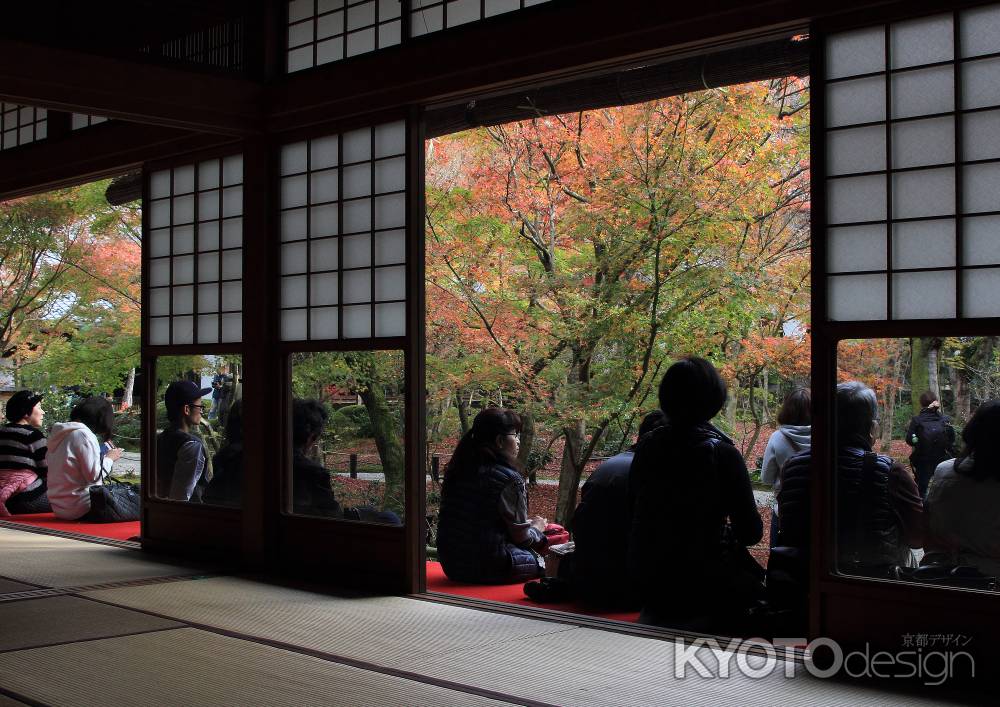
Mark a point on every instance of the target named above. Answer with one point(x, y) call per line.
point(199, 442)
point(347, 435)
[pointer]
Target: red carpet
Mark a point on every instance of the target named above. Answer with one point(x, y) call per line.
point(115, 531)
point(511, 594)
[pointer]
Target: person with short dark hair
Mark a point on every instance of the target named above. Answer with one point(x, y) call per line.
point(311, 490)
point(693, 512)
point(180, 455)
point(793, 436)
point(484, 533)
point(23, 485)
point(963, 526)
point(601, 529)
point(932, 437)
point(878, 510)
point(74, 458)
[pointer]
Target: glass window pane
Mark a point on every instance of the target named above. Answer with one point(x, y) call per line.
point(923, 244)
point(348, 410)
point(928, 192)
point(856, 199)
point(857, 101)
point(857, 297)
point(923, 92)
point(855, 150)
point(856, 248)
point(927, 40)
point(917, 143)
point(200, 406)
point(923, 295)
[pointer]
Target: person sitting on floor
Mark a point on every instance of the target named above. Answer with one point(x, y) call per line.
point(180, 455)
point(74, 459)
point(23, 487)
point(963, 526)
point(879, 514)
point(693, 512)
point(226, 486)
point(601, 530)
point(312, 493)
point(484, 533)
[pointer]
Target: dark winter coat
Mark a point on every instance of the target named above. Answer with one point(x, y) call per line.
point(311, 490)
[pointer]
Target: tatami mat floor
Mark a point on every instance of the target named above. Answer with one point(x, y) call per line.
point(84, 624)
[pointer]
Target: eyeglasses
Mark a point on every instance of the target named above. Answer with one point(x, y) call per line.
point(200, 407)
point(515, 435)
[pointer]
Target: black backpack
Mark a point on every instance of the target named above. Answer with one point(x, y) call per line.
point(934, 441)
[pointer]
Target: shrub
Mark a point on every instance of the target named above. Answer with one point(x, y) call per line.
point(358, 423)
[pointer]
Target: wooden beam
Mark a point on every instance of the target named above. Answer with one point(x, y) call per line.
point(93, 153)
point(63, 79)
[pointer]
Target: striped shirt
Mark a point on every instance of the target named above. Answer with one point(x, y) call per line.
point(22, 447)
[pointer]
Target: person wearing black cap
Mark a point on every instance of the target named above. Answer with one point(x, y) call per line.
point(22, 449)
point(180, 455)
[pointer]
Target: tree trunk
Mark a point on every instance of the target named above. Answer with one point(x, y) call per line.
point(569, 473)
point(963, 399)
point(889, 405)
point(463, 412)
point(129, 387)
point(527, 442)
point(390, 451)
point(932, 370)
point(918, 371)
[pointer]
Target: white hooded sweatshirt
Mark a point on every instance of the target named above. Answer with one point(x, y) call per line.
point(74, 461)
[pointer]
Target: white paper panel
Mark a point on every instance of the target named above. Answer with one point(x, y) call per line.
point(208, 236)
point(232, 296)
point(917, 143)
point(981, 292)
point(232, 264)
point(232, 233)
point(324, 220)
point(923, 244)
point(856, 52)
point(357, 251)
point(390, 139)
point(856, 199)
point(857, 101)
point(425, 21)
point(159, 331)
point(981, 83)
point(208, 329)
point(208, 298)
point(357, 286)
point(324, 254)
point(159, 214)
point(926, 40)
point(299, 59)
point(208, 267)
point(856, 248)
point(293, 225)
point(208, 205)
point(293, 258)
point(361, 15)
point(330, 25)
point(387, 9)
point(390, 211)
point(360, 42)
point(323, 289)
point(293, 291)
point(979, 30)
point(981, 135)
point(184, 179)
point(390, 247)
point(183, 270)
point(301, 33)
point(390, 34)
point(855, 150)
point(390, 319)
point(357, 181)
point(323, 186)
point(357, 145)
point(208, 175)
point(183, 209)
point(232, 170)
point(183, 239)
point(232, 201)
point(159, 272)
point(293, 325)
point(183, 328)
point(981, 187)
point(323, 323)
point(923, 91)
point(159, 242)
point(390, 175)
point(299, 10)
point(498, 7)
point(293, 158)
point(856, 297)
point(330, 50)
point(159, 302)
point(159, 184)
point(323, 152)
point(390, 283)
point(923, 295)
point(981, 240)
point(232, 327)
point(357, 215)
point(461, 12)
point(928, 192)
point(183, 299)
point(357, 321)
point(294, 191)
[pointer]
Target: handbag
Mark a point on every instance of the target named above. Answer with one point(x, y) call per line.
point(113, 501)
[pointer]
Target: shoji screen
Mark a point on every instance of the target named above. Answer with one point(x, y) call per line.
point(21, 125)
point(912, 179)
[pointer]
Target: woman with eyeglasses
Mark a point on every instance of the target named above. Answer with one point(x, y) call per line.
point(484, 533)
